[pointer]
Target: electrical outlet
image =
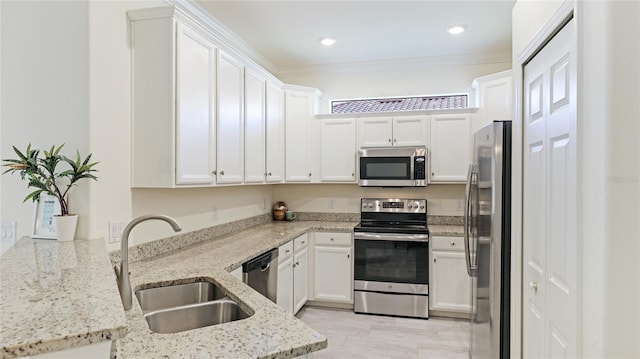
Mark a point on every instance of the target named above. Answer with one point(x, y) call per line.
point(332, 203)
point(115, 231)
point(8, 231)
point(214, 213)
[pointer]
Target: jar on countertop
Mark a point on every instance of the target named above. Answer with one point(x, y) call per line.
point(279, 210)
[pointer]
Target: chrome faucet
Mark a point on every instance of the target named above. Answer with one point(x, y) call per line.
point(122, 273)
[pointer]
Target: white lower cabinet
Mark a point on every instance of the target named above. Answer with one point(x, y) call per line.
point(293, 267)
point(449, 284)
point(333, 267)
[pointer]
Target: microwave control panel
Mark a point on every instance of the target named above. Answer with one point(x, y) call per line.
point(419, 167)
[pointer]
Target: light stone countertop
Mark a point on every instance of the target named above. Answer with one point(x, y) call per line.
point(57, 295)
point(269, 333)
point(446, 230)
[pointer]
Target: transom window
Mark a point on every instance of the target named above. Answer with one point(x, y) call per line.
point(445, 102)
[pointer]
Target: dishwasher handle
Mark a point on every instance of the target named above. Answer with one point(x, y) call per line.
point(261, 262)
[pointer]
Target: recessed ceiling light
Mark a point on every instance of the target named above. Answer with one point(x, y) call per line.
point(456, 29)
point(327, 41)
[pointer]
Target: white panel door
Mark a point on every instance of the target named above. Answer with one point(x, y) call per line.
point(338, 150)
point(254, 131)
point(450, 286)
point(300, 273)
point(375, 132)
point(284, 297)
point(298, 117)
point(410, 130)
point(549, 201)
point(275, 133)
point(450, 147)
point(195, 108)
point(230, 119)
point(332, 278)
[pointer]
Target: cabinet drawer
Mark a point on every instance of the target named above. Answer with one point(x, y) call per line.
point(337, 239)
point(285, 251)
point(300, 242)
point(447, 243)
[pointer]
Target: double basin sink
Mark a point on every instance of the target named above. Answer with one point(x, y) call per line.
point(181, 307)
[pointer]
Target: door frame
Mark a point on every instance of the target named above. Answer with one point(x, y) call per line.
point(564, 14)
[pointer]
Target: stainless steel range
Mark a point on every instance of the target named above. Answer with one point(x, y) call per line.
point(391, 267)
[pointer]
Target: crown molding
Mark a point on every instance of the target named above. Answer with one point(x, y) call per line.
point(232, 42)
point(367, 66)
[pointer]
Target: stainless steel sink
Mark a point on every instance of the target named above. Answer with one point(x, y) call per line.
point(174, 320)
point(152, 299)
point(180, 307)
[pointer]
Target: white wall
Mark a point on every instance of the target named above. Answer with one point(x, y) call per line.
point(609, 163)
point(384, 80)
point(443, 200)
point(44, 94)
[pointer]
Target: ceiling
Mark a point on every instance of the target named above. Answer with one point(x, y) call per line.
point(287, 33)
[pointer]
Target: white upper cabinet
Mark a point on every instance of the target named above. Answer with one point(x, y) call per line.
point(494, 99)
point(375, 132)
point(254, 158)
point(173, 102)
point(299, 110)
point(275, 133)
point(450, 147)
point(230, 160)
point(195, 107)
point(396, 131)
point(338, 150)
point(410, 131)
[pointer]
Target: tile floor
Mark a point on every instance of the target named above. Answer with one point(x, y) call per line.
point(358, 336)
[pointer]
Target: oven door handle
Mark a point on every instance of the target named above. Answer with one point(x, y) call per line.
point(391, 237)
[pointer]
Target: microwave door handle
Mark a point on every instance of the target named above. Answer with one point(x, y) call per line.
point(467, 220)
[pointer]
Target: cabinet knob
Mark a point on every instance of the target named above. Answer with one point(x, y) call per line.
point(533, 286)
point(269, 173)
point(309, 174)
point(303, 242)
point(434, 260)
point(214, 172)
point(286, 251)
point(433, 173)
point(265, 174)
point(348, 256)
point(297, 263)
point(333, 239)
point(389, 140)
point(353, 174)
point(221, 173)
point(453, 244)
point(395, 140)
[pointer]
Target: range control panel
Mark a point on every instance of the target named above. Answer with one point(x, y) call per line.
point(393, 205)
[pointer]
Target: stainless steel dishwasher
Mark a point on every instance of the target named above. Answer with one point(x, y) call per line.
point(261, 274)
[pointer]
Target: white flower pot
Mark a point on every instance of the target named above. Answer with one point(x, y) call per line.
point(66, 227)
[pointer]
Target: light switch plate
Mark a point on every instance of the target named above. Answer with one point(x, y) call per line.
point(115, 231)
point(8, 232)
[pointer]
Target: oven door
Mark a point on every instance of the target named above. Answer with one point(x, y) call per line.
point(397, 263)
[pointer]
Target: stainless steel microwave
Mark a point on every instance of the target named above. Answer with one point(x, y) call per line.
point(392, 167)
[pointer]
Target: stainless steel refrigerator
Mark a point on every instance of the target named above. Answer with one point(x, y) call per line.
point(488, 240)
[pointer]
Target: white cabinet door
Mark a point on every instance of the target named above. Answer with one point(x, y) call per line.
point(230, 164)
point(450, 147)
point(195, 108)
point(450, 286)
point(410, 130)
point(375, 132)
point(254, 160)
point(300, 273)
point(494, 99)
point(285, 285)
point(332, 274)
point(298, 117)
point(275, 133)
point(338, 150)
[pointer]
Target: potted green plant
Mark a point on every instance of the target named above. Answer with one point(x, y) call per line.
point(43, 174)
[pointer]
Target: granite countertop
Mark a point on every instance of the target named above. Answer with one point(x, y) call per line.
point(449, 230)
point(269, 333)
point(57, 295)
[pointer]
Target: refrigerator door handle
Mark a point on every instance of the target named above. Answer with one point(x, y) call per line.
point(467, 220)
